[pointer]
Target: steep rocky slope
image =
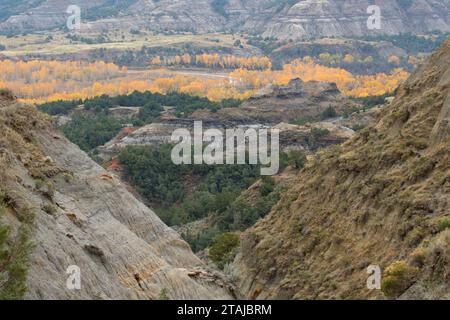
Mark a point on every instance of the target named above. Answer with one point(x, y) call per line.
point(272, 18)
point(336, 18)
point(382, 198)
point(86, 217)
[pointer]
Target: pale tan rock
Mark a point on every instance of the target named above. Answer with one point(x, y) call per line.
point(90, 221)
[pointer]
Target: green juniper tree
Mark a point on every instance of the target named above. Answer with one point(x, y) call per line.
point(14, 251)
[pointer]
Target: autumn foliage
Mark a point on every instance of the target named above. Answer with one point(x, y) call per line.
point(215, 61)
point(41, 81)
point(36, 81)
point(348, 84)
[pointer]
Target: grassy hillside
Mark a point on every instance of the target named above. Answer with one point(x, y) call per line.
point(379, 199)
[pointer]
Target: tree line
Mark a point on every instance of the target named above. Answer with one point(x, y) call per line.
point(214, 61)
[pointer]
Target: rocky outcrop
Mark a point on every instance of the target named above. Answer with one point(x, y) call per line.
point(303, 19)
point(85, 217)
point(151, 134)
point(309, 19)
point(98, 15)
point(274, 108)
point(284, 104)
point(380, 199)
point(291, 136)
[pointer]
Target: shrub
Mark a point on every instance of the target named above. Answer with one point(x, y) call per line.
point(415, 236)
point(14, 263)
point(37, 174)
point(328, 113)
point(267, 187)
point(231, 272)
point(39, 183)
point(59, 107)
point(241, 215)
point(163, 295)
point(303, 120)
point(68, 176)
point(319, 132)
point(203, 240)
point(397, 278)
point(418, 143)
point(150, 112)
point(358, 127)
point(6, 93)
point(91, 131)
point(372, 101)
point(50, 209)
point(46, 188)
point(443, 224)
point(297, 159)
point(224, 249)
point(418, 257)
point(421, 168)
point(50, 189)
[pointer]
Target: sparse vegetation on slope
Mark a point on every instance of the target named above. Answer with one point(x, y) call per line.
point(15, 246)
point(16, 215)
point(224, 249)
point(377, 199)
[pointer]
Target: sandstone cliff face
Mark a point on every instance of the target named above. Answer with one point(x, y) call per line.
point(336, 18)
point(303, 19)
point(86, 217)
point(186, 15)
point(382, 198)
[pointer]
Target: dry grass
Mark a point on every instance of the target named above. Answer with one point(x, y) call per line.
point(374, 201)
point(37, 43)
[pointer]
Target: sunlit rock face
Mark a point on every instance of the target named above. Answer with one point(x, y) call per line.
point(85, 217)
